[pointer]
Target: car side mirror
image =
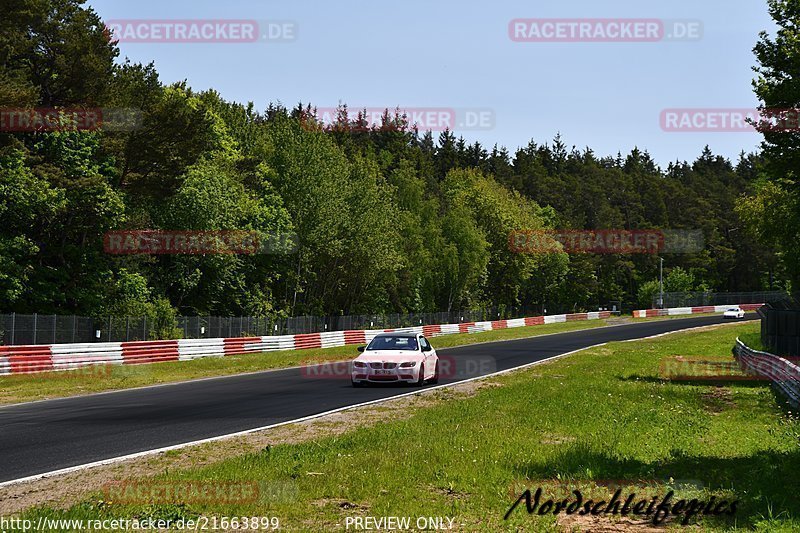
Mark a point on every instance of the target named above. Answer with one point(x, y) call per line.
point(361, 348)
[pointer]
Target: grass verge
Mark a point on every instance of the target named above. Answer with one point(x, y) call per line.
point(753, 340)
point(602, 414)
point(99, 378)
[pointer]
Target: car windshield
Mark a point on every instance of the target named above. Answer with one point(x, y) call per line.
point(392, 342)
point(734, 309)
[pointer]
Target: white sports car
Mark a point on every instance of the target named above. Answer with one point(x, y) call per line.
point(396, 358)
point(733, 312)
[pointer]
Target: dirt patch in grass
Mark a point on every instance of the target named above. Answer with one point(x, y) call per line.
point(68, 489)
point(550, 438)
point(448, 493)
point(718, 399)
point(344, 505)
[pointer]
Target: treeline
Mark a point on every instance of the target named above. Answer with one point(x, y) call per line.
point(387, 219)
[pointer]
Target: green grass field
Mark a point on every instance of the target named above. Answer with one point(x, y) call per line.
point(29, 387)
point(602, 414)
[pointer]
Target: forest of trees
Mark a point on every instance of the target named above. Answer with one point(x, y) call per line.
point(387, 219)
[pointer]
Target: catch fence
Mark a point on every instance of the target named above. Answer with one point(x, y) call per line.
point(29, 329)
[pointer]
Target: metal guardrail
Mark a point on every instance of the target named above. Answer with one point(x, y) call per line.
point(784, 374)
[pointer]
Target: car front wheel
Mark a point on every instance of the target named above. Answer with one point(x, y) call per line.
point(421, 381)
point(435, 379)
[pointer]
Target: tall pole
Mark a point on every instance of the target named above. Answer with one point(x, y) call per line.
point(661, 284)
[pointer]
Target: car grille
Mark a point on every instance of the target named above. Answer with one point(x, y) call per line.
point(383, 365)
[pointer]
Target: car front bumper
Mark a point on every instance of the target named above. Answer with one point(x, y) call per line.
point(396, 375)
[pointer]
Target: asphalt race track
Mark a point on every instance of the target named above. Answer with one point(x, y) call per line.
point(44, 436)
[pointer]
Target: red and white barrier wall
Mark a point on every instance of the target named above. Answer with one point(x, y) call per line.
point(27, 359)
point(693, 310)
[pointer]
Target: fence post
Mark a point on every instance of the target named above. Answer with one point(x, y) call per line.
point(54, 329)
point(109, 329)
point(144, 328)
point(74, 325)
point(127, 328)
point(35, 325)
point(13, 326)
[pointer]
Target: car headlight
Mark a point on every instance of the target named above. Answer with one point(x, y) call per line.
point(408, 365)
point(359, 364)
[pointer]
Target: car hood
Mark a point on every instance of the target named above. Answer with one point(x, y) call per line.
point(391, 356)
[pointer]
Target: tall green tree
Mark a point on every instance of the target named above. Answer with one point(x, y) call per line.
point(772, 210)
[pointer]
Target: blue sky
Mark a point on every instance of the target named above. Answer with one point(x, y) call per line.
point(458, 54)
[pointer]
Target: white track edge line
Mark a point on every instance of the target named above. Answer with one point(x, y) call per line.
point(687, 329)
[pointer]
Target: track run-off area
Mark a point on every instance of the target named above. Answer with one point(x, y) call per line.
point(48, 436)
